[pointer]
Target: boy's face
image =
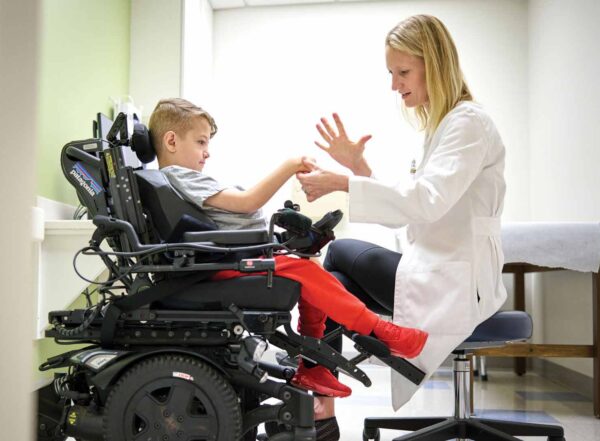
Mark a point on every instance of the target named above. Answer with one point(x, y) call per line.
point(191, 149)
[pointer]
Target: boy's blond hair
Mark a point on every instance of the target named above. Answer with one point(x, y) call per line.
point(177, 115)
point(426, 37)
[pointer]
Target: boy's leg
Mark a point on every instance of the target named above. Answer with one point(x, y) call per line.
point(322, 291)
point(311, 321)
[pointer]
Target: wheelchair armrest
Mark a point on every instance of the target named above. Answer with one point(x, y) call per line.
point(228, 237)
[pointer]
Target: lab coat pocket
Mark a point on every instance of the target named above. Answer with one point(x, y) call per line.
point(437, 298)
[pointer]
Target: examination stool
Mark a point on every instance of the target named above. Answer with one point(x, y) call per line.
point(503, 327)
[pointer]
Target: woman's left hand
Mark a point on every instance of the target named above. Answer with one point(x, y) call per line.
point(319, 182)
point(348, 153)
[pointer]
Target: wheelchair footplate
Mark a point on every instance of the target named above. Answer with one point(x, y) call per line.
point(369, 346)
point(320, 352)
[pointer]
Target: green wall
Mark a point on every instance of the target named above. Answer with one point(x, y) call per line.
point(84, 52)
point(84, 61)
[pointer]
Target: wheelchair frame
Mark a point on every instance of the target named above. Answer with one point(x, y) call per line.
point(127, 332)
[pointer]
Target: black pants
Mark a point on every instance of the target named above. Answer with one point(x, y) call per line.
point(366, 270)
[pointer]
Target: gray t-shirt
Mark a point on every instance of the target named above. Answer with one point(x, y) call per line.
point(196, 187)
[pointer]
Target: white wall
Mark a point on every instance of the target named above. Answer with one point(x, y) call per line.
point(197, 44)
point(565, 149)
point(19, 22)
point(533, 64)
point(156, 52)
point(278, 69)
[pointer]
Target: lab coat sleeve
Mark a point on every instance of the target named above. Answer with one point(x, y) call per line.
point(454, 163)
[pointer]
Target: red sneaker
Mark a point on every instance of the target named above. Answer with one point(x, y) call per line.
point(320, 380)
point(402, 342)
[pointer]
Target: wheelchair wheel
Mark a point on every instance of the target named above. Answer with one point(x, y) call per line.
point(172, 397)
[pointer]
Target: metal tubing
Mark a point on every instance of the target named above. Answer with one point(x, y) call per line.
point(462, 407)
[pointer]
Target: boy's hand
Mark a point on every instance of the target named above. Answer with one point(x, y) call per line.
point(304, 164)
point(308, 164)
point(319, 182)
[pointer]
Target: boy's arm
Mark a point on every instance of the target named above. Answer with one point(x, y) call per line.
point(248, 201)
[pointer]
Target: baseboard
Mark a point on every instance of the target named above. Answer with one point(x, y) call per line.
point(573, 380)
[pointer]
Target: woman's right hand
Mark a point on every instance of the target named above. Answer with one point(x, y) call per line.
point(319, 182)
point(343, 150)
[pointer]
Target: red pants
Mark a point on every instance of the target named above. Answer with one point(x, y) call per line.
point(321, 295)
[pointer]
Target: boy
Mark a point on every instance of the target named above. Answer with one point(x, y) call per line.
point(181, 133)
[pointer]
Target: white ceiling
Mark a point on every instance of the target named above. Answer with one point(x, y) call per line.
point(227, 4)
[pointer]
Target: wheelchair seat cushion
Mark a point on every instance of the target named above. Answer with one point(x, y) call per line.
point(249, 292)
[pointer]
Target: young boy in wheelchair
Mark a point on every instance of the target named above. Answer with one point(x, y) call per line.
point(181, 134)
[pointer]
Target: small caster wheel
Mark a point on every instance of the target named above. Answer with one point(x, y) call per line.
point(371, 434)
point(556, 438)
point(484, 377)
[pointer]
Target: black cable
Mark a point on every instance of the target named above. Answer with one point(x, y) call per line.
point(68, 333)
point(106, 282)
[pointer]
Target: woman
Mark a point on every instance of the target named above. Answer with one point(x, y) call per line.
point(448, 278)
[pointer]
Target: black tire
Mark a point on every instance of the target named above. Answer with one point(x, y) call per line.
point(49, 414)
point(172, 397)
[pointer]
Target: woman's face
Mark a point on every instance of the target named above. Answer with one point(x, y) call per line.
point(408, 77)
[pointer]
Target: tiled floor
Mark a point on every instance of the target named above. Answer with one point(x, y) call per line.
point(505, 396)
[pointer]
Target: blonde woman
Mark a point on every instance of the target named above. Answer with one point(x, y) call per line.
point(448, 278)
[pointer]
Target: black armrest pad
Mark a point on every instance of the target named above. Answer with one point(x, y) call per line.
point(228, 237)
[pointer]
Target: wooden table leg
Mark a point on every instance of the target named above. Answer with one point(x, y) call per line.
point(519, 298)
point(596, 342)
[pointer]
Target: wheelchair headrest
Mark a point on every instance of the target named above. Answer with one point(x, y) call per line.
point(141, 143)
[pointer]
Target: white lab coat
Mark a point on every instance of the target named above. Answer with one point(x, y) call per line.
point(452, 212)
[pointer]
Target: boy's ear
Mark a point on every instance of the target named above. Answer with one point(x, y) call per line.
point(170, 141)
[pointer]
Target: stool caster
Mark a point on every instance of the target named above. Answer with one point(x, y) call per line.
point(371, 434)
point(556, 438)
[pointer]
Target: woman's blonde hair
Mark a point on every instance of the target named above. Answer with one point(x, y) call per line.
point(178, 115)
point(426, 37)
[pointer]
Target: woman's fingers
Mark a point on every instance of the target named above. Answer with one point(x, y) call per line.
point(328, 127)
point(321, 146)
point(339, 124)
point(364, 139)
point(325, 135)
point(310, 184)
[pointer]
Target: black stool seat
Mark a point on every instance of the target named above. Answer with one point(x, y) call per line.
point(502, 327)
point(248, 292)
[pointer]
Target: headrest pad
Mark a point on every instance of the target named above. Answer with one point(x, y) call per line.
point(141, 144)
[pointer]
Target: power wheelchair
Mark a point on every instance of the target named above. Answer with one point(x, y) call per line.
point(170, 354)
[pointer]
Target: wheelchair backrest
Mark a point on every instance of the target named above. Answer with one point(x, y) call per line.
point(106, 185)
point(169, 213)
